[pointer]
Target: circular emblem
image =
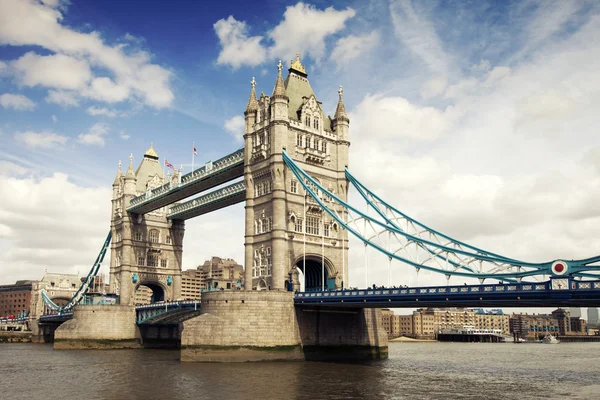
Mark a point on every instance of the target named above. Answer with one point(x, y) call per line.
point(559, 267)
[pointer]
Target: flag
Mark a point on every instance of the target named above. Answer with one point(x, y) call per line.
point(168, 164)
point(195, 152)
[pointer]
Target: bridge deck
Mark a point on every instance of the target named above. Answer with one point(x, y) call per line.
point(580, 294)
point(223, 170)
point(212, 201)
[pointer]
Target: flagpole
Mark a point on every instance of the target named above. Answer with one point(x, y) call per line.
point(193, 154)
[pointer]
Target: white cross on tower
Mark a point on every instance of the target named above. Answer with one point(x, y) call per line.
point(341, 91)
point(280, 66)
point(253, 83)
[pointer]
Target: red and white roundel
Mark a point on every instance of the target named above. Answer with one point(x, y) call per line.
point(559, 267)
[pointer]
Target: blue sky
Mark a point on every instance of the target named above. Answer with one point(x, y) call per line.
point(478, 118)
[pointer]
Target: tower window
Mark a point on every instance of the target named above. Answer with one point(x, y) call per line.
point(137, 236)
point(168, 239)
point(140, 261)
point(316, 123)
point(154, 236)
point(163, 263)
point(294, 186)
point(312, 225)
point(324, 146)
point(316, 144)
point(326, 230)
point(298, 225)
point(299, 140)
point(307, 121)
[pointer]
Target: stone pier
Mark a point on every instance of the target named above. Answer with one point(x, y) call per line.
point(259, 326)
point(99, 327)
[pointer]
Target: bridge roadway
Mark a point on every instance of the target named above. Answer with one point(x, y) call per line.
point(579, 294)
point(207, 177)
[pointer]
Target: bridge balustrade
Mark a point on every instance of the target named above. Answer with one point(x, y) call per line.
point(189, 178)
point(215, 196)
point(422, 294)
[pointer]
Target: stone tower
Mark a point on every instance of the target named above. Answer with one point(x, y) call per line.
point(287, 235)
point(145, 249)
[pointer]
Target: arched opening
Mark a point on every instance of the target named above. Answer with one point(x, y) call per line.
point(311, 276)
point(149, 293)
point(262, 285)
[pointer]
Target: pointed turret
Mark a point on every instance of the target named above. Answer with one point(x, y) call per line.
point(252, 101)
point(130, 179)
point(279, 90)
point(119, 176)
point(340, 111)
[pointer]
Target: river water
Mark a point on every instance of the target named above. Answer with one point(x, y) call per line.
point(413, 371)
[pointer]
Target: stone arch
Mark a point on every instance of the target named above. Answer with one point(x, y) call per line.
point(158, 292)
point(262, 285)
point(313, 273)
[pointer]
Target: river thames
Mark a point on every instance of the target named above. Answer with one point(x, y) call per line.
point(413, 371)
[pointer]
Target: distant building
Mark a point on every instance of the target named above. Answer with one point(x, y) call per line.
point(15, 299)
point(536, 326)
point(426, 323)
point(575, 312)
point(593, 317)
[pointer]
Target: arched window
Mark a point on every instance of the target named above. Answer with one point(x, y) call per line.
point(299, 140)
point(316, 144)
point(307, 121)
point(316, 123)
point(154, 236)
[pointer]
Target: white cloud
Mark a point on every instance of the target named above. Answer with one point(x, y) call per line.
point(54, 119)
point(95, 136)
point(235, 127)
point(16, 102)
point(55, 71)
point(433, 87)
point(62, 98)
point(37, 212)
point(304, 29)
point(123, 135)
point(395, 117)
point(293, 34)
point(132, 76)
point(95, 111)
point(44, 140)
point(237, 48)
point(352, 46)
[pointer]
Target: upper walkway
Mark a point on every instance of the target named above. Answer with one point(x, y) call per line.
point(542, 294)
point(206, 177)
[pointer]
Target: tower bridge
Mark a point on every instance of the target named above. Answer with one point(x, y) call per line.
point(293, 176)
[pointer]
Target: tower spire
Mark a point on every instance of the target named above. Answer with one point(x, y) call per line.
point(279, 90)
point(119, 175)
point(340, 111)
point(252, 102)
point(130, 174)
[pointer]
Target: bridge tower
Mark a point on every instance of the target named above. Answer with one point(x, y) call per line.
point(287, 234)
point(145, 249)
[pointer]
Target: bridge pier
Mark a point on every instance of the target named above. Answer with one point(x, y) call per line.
point(99, 327)
point(265, 325)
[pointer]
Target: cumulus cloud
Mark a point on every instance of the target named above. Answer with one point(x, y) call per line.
point(81, 60)
point(38, 230)
point(95, 136)
point(237, 48)
point(291, 35)
point(352, 46)
point(57, 71)
point(235, 127)
point(95, 111)
point(16, 102)
point(395, 117)
point(124, 135)
point(62, 98)
point(43, 140)
point(294, 33)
